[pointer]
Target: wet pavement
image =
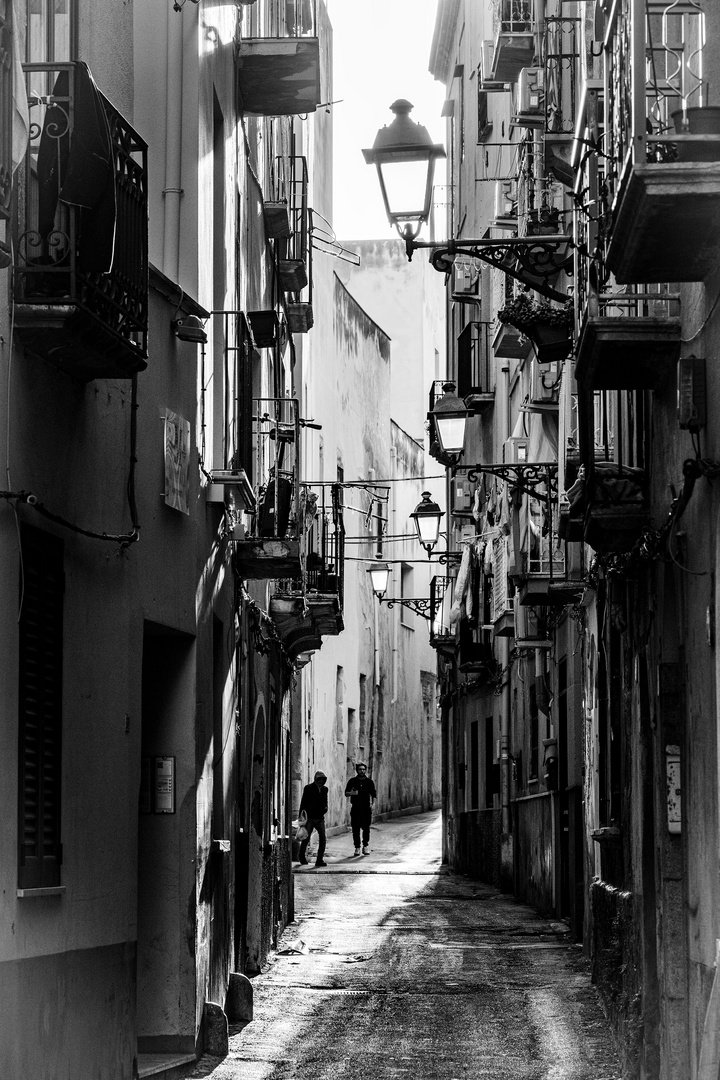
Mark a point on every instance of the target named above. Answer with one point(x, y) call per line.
point(398, 968)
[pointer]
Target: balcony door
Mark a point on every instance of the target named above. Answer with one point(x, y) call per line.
point(51, 30)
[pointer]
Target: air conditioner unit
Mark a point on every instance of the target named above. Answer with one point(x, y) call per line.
point(466, 277)
point(545, 384)
point(531, 95)
point(487, 82)
point(463, 492)
point(516, 450)
point(505, 203)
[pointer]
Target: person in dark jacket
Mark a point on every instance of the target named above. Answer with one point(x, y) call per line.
point(361, 790)
point(315, 803)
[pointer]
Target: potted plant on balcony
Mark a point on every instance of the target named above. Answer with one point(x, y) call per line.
point(544, 221)
point(697, 120)
point(547, 325)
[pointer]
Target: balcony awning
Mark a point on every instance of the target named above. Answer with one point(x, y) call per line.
point(279, 76)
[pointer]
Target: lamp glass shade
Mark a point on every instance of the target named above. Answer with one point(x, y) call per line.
point(451, 433)
point(426, 516)
point(379, 577)
point(450, 414)
point(404, 155)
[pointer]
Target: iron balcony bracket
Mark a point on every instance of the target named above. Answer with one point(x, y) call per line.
point(538, 479)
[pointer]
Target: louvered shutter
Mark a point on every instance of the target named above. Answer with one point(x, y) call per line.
point(40, 704)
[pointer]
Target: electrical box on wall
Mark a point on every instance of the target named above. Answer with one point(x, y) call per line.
point(692, 393)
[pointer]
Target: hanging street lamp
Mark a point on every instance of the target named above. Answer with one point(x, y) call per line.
point(426, 516)
point(379, 577)
point(404, 156)
point(450, 415)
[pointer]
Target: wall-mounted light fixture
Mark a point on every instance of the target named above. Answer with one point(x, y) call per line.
point(450, 414)
point(190, 328)
point(379, 577)
point(426, 516)
point(404, 156)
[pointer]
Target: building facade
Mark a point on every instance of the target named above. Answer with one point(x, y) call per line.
point(581, 746)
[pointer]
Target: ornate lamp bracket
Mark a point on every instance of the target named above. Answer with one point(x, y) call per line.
point(538, 478)
point(530, 260)
point(419, 605)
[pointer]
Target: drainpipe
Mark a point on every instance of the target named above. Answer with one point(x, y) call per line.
point(505, 738)
point(172, 191)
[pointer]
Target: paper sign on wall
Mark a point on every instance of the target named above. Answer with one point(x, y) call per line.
point(177, 462)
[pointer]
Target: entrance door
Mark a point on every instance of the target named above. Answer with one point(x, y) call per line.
point(166, 1020)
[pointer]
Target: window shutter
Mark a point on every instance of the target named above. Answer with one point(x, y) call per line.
point(40, 705)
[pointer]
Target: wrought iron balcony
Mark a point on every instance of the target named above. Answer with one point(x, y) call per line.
point(475, 370)
point(442, 635)
point(80, 235)
point(294, 251)
point(515, 43)
point(280, 75)
point(501, 605)
point(313, 602)
point(663, 142)
point(560, 61)
point(539, 556)
point(6, 127)
point(475, 649)
point(616, 507)
point(629, 340)
point(275, 544)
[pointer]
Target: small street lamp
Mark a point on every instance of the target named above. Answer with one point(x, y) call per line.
point(379, 577)
point(427, 516)
point(404, 156)
point(450, 414)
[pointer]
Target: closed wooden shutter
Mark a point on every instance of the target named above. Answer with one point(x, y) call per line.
point(40, 704)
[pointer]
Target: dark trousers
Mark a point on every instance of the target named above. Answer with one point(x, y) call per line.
point(360, 818)
point(310, 824)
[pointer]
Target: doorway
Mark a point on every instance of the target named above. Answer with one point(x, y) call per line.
point(166, 1021)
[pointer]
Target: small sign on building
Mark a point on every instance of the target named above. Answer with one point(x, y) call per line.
point(177, 462)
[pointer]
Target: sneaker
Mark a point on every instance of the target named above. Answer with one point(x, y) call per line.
point(357, 850)
point(365, 850)
point(320, 863)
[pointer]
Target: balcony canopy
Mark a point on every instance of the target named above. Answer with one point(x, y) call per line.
point(279, 76)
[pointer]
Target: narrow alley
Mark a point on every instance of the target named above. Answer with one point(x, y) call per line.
point(397, 967)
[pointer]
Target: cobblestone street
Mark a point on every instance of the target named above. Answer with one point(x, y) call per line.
point(396, 967)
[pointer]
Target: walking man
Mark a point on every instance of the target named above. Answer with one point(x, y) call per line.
point(315, 803)
point(361, 790)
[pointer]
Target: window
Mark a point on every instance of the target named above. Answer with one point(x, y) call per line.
point(6, 49)
point(40, 709)
point(362, 731)
point(339, 705)
point(534, 735)
point(484, 124)
point(474, 766)
point(50, 31)
point(406, 592)
point(492, 768)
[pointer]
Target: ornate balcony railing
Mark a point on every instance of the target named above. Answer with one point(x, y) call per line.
point(661, 211)
point(475, 369)
point(561, 55)
point(442, 635)
point(81, 272)
point(6, 106)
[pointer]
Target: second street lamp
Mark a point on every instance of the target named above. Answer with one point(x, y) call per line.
point(450, 415)
point(426, 516)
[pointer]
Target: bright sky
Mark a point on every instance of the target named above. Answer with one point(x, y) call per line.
point(381, 52)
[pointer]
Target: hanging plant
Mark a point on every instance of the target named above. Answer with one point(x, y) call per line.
point(525, 313)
